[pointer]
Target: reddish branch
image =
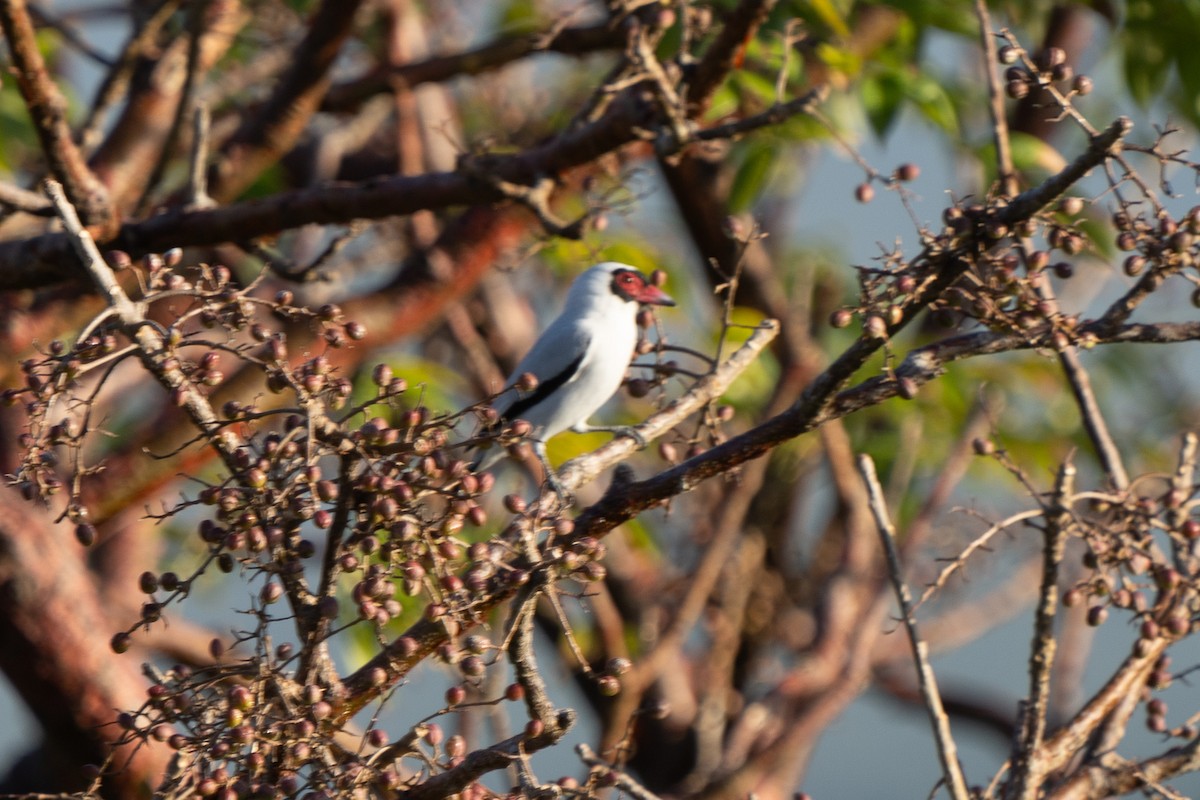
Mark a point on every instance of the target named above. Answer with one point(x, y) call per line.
point(45, 260)
point(48, 111)
point(54, 648)
point(266, 136)
point(126, 160)
point(725, 51)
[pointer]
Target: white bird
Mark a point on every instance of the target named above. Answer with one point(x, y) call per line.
point(580, 359)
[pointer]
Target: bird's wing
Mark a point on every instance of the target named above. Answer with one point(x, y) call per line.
point(556, 359)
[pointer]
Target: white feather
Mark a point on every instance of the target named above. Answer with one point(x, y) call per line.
point(596, 323)
point(579, 360)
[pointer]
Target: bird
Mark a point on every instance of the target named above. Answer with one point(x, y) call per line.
point(579, 360)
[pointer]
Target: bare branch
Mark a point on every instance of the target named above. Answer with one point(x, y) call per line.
point(271, 132)
point(422, 638)
point(1027, 772)
point(571, 41)
point(947, 750)
point(720, 57)
point(48, 111)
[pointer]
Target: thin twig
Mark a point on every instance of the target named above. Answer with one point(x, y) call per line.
point(1004, 162)
point(70, 35)
point(1090, 414)
point(158, 360)
point(947, 750)
point(197, 189)
point(24, 200)
point(960, 561)
point(621, 779)
point(1027, 772)
point(195, 29)
point(572, 41)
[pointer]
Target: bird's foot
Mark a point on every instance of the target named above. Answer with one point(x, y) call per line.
point(624, 430)
point(565, 497)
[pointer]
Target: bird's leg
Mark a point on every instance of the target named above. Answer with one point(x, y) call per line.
point(564, 494)
point(616, 430)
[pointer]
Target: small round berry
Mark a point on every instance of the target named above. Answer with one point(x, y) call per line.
point(1071, 206)
point(983, 447)
point(85, 534)
point(841, 318)
point(875, 327)
point(1052, 57)
point(148, 582)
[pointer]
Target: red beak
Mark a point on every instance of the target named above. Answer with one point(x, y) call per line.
point(651, 295)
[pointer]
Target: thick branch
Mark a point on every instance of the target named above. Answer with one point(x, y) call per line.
point(818, 404)
point(270, 133)
point(1116, 777)
point(48, 110)
point(54, 648)
point(720, 57)
point(422, 638)
point(577, 41)
point(45, 260)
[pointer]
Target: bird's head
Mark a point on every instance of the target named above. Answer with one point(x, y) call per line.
point(628, 284)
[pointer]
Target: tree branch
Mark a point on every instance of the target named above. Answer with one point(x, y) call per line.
point(1027, 769)
point(48, 111)
point(402, 654)
point(720, 57)
point(575, 41)
point(271, 132)
point(947, 750)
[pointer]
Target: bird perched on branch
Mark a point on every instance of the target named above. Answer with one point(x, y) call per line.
point(580, 360)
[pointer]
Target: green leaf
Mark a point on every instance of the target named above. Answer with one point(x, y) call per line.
point(751, 176)
point(831, 15)
point(433, 384)
point(881, 96)
point(1031, 154)
point(955, 16)
point(521, 16)
point(754, 88)
point(934, 102)
point(845, 61)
